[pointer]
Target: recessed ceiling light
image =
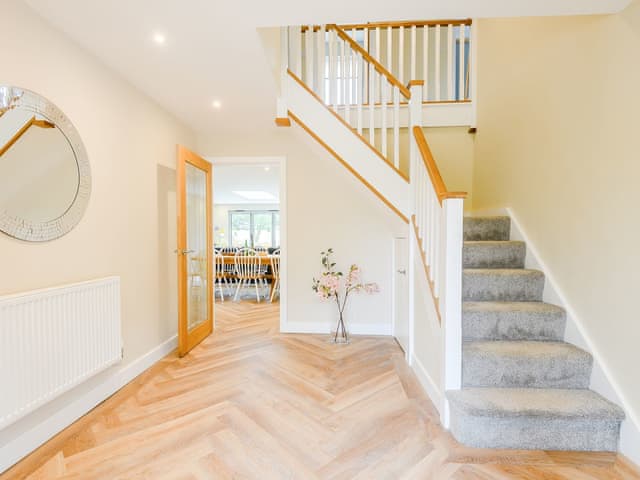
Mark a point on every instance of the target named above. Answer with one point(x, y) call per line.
point(216, 104)
point(159, 38)
point(267, 168)
point(254, 194)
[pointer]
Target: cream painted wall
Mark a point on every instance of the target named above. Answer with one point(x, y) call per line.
point(326, 207)
point(557, 143)
point(129, 226)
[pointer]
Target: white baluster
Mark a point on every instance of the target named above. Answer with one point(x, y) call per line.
point(396, 126)
point(425, 62)
point(308, 57)
point(461, 54)
point(365, 73)
point(359, 73)
point(295, 37)
point(383, 113)
point(413, 53)
point(346, 79)
point(401, 54)
point(320, 61)
point(450, 73)
point(436, 249)
point(333, 94)
point(437, 79)
point(389, 63)
point(377, 54)
point(372, 103)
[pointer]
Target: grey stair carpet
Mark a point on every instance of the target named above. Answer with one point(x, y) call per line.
point(493, 254)
point(512, 321)
point(539, 419)
point(487, 228)
point(523, 387)
point(525, 364)
point(504, 285)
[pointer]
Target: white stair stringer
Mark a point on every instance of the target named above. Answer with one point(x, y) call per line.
point(380, 177)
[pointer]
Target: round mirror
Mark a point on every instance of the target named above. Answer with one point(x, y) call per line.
point(45, 180)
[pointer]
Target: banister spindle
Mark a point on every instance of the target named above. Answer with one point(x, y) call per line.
point(372, 105)
point(425, 62)
point(308, 57)
point(383, 114)
point(437, 79)
point(320, 61)
point(412, 74)
point(346, 74)
point(359, 94)
point(450, 75)
point(333, 94)
point(401, 54)
point(396, 126)
point(390, 50)
point(461, 55)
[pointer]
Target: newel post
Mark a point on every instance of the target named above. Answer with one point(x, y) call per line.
point(281, 103)
point(451, 296)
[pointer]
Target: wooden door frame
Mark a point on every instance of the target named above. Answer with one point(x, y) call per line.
point(187, 340)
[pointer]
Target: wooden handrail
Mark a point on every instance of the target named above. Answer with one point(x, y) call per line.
point(377, 65)
point(432, 168)
point(406, 24)
point(403, 23)
point(31, 122)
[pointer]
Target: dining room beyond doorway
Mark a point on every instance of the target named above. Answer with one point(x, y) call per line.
point(246, 232)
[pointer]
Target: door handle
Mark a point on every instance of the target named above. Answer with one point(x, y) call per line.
point(402, 271)
point(183, 252)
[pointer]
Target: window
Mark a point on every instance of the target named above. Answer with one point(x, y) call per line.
point(254, 228)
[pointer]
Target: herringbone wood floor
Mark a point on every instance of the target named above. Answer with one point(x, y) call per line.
point(251, 403)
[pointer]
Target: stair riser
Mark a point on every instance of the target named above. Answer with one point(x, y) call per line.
point(492, 228)
point(498, 371)
point(512, 326)
point(502, 288)
point(535, 433)
point(493, 256)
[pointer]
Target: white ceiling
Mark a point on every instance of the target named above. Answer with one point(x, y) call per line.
point(213, 49)
point(230, 178)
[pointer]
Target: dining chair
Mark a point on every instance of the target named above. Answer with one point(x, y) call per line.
point(229, 268)
point(247, 270)
point(220, 274)
point(275, 273)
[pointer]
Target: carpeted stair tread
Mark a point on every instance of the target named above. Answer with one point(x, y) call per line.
point(487, 228)
point(493, 254)
point(512, 321)
point(534, 419)
point(502, 284)
point(534, 402)
point(526, 364)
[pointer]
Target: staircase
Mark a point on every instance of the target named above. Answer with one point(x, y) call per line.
point(522, 386)
point(510, 379)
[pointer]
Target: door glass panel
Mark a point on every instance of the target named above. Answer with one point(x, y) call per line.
point(241, 229)
point(197, 288)
point(262, 229)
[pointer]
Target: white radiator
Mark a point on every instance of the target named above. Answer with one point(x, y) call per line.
point(52, 340)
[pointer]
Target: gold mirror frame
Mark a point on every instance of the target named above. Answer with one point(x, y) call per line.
point(23, 229)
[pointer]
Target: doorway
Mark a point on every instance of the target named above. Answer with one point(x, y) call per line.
point(249, 236)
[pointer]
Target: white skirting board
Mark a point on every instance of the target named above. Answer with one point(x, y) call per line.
point(325, 328)
point(16, 449)
point(430, 387)
point(575, 333)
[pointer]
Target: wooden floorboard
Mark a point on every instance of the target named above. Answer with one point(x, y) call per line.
point(252, 403)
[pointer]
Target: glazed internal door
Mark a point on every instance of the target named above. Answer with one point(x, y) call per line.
point(195, 250)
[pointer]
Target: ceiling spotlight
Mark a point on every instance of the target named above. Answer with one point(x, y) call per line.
point(216, 104)
point(267, 168)
point(159, 38)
